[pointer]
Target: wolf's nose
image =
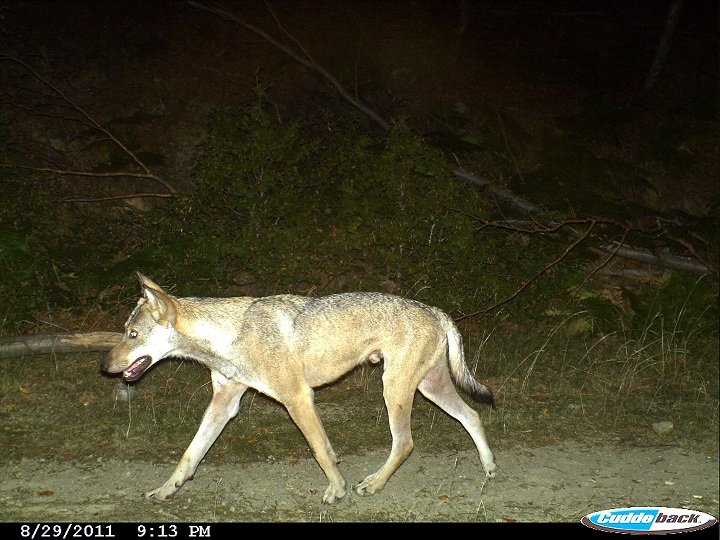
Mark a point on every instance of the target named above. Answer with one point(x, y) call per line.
point(107, 366)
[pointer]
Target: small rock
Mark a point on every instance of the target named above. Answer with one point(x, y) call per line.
point(123, 391)
point(459, 107)
point(662, 427)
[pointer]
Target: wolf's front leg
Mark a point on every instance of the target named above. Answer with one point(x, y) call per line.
point(224, 406)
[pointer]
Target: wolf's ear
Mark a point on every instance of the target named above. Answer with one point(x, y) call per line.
point(146, 282)
point(161, 304)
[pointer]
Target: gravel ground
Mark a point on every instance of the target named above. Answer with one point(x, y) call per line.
point(558, 483)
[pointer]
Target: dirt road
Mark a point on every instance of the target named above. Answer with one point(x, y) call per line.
point(546, 483)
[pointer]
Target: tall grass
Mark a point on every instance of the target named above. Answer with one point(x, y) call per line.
point(563, 381)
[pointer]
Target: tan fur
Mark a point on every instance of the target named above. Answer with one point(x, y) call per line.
point(284, 346)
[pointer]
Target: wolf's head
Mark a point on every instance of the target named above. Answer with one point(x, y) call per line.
point(148, 336)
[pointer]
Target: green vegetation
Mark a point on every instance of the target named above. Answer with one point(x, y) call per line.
point(25, 264)
point(314, 206)
point(337, 211)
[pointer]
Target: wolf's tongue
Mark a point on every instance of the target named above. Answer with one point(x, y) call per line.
point(137, 368)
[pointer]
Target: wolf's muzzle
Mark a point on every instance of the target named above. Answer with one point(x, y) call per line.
point(137, 368)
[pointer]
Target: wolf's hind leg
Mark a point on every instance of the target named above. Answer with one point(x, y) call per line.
point(399, 395)
point(302, 410)
point(439, 388)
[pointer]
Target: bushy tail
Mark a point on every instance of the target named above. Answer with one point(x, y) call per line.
point(458, 368)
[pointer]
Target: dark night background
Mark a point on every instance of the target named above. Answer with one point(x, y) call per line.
point(161, 136)
point(549, 65)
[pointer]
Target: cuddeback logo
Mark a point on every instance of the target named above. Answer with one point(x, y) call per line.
point(648, 520)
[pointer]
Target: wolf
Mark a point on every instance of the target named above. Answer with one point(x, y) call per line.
point(286, 345)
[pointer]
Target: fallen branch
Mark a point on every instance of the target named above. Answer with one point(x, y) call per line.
point(70, 342)
point(665, 260)
point(691, 248)
point(549, 229)
point(503, 192)
point(613, 249)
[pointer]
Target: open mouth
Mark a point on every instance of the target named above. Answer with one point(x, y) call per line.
point(137, 368)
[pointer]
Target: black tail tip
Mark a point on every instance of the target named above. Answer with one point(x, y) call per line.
point(491, 399)
point(485, 395)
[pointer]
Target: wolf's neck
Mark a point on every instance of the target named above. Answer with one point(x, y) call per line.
point(204, 351)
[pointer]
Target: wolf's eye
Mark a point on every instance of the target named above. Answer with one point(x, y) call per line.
point(133, 334)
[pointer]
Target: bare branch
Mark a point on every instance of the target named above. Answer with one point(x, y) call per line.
point(307, 62)
point(537, 275)
point(552, 228)
point(88, 120)
point(121, 197)
point(601, 265)
point(687, 245)
point(63, 172)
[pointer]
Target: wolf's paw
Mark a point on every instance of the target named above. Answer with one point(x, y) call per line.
point(370, 485)
point(162, 494)
point(333, 494)
point(490, 468)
